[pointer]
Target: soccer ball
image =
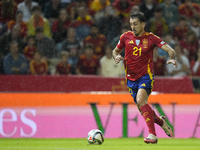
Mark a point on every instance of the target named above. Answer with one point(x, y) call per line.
point(95, 137)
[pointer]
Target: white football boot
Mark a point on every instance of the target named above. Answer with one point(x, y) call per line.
point(165, 127)
point(151, 139)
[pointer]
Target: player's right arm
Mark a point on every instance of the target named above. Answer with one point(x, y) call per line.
point(116, 55)
point(171, 53)
point(118, 49)
point(164, 46)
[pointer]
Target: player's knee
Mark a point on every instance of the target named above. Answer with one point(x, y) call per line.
point(141, 101)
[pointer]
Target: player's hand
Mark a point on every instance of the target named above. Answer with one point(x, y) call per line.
point(118, 58)
point(172, 61)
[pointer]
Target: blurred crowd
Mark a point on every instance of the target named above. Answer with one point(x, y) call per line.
point(53, 37)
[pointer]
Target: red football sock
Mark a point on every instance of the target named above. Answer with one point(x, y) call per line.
point(148, 116)
point(157, 120)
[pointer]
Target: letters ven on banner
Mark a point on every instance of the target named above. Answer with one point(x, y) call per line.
point(76, 121)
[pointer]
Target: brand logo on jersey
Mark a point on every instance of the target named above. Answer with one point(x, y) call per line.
point(143, 85)
point(131, 42)
point(145, 43)
point(137, 42)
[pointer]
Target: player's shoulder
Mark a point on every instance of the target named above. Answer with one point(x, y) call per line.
point(128, 33)
point(148, 34)
point(151, 35)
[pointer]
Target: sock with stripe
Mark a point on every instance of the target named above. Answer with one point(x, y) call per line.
point(148, 116)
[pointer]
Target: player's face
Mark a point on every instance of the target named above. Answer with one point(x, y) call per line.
point(137, 26)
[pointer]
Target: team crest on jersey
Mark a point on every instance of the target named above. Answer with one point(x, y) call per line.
point(137, 42)
point(145, 43)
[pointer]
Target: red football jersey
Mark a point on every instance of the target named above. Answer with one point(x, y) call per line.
point(138, 60)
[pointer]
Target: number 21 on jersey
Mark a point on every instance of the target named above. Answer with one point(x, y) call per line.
point(137, 51)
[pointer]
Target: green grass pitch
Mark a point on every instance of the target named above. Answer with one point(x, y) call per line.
point(109, 144)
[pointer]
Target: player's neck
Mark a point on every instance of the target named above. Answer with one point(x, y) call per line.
point(140, 34)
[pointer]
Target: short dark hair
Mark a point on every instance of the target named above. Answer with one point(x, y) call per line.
point(39, 30)
point(138, 15)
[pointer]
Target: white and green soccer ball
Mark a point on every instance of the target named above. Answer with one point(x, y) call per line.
point(95, 137)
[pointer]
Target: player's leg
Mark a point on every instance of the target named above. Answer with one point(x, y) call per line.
point(147, 114)
point(157, 119)
point(143, 97)
point(161, 121)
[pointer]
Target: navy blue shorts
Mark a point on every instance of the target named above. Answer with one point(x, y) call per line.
point(145, 82)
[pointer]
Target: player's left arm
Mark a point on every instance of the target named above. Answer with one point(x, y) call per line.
point(171, 53)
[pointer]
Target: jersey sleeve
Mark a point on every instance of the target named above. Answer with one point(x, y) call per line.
point(121, 42)
point(158, 41)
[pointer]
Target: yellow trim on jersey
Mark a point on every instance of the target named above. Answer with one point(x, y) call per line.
point(125, 68)
point(150, 74)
